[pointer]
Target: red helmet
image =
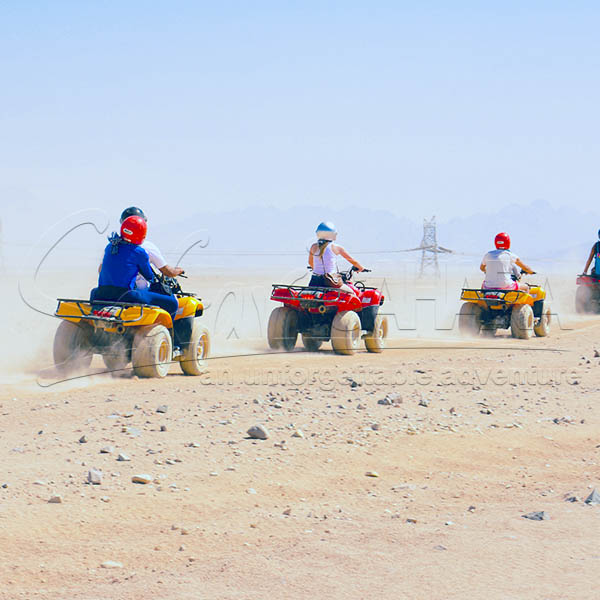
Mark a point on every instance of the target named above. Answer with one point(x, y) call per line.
point(502, 241)
point(133, 230)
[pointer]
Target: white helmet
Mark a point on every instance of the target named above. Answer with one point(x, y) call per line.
point(326, 231)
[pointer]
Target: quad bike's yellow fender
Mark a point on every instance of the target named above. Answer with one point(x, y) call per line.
point(511, 297)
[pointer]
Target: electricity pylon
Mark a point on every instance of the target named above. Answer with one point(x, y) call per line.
point(430, 249)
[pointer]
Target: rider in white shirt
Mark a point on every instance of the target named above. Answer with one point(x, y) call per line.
point(155, 255)
point(322, 257)
point(501, 267)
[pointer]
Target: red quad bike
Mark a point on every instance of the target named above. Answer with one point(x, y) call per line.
point(321, 314)
point(587, 297)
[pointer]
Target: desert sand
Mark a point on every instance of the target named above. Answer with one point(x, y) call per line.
point(400, 475)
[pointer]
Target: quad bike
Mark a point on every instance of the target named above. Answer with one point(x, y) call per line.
point(587, 296)
point(486, 310)
point(321, 314)
point(124, 332)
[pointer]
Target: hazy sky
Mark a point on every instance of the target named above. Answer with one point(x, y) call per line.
point(444, 108)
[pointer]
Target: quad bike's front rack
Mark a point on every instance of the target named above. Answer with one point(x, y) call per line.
point(110, 317)
point(492, 296)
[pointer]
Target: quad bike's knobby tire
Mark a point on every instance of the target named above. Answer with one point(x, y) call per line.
point(310, 343)
point(282, 331)
point(118, 356)
point(584, 300)
point(521, 321)
point(152, 351)
point(192, 360)
point(72, 349)
point(345, 332)
point(375, 340)
point(542, 329)
point(469, 319)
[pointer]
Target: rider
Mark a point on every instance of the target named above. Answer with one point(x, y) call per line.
point(322, 257)
point(154, 254)
point(594, 255)
point(124, 259)
point(501, 267)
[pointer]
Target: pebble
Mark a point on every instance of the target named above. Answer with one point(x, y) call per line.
point(163, 427)
point(111, 564)
point(57, 499)
point(537, 516)
point(94, 476)
point(251, 491)
point(593, 499)
point(162, 408)
point(412, 521)
point(83, 439)
point(123, 457)
point(372, 474)
point(424, 402)
point(142, 478)
point(107, 450)
point(298, 433)
point(287, 512)
point(258, 432)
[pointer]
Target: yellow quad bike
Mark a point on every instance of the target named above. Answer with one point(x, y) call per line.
point(486, 310)
point(123, 333)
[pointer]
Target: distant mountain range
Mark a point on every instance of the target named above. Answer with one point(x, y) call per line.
point(538, 230)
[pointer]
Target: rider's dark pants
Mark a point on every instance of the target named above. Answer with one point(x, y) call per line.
point(318, 281)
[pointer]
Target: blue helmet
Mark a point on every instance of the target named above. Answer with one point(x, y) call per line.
point(326, 231)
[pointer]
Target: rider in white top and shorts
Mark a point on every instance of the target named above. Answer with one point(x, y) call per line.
point(322, 257)
point(501, 267)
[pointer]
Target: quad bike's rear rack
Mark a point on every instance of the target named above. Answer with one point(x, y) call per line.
point(493, 297)
point(110, 316)
point(312, 296)
point(589, 280)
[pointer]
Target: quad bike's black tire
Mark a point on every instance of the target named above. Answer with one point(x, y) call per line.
point(118, 356)
point(469, 319)
point(282, 331)
point(375, 340)
point(152, 351)
point(197, 351)
point(345, 332)
point(72, 349)
point(542, 329)
point(310, 343)
point(521, 321)
point(584, 300)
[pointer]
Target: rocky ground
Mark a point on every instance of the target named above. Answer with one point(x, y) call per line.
point(401, 475)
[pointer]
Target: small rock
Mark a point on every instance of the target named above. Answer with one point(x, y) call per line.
point(57, 499)
point(258, 432)
point(372, 474)
point(440, 547)
point(163, 427)
point(298, 433)
point(593, 499)
point(107, 450)
point(83, 439)
point(287, 512)
point(94, 476)
point(143, 478)
point(251, 491)
point(424, 402)
point(105, 499)
point(111, 564)
point(572, 499)
point(412, 521)
point(123, 457)
point(162, 408)
point(375, 427)
point(485, 411)
point(537, 516)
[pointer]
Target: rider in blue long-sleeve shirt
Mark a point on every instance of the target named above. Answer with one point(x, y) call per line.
point(123, 259)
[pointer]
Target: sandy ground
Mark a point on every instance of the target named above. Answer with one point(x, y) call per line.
point(473, 435)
